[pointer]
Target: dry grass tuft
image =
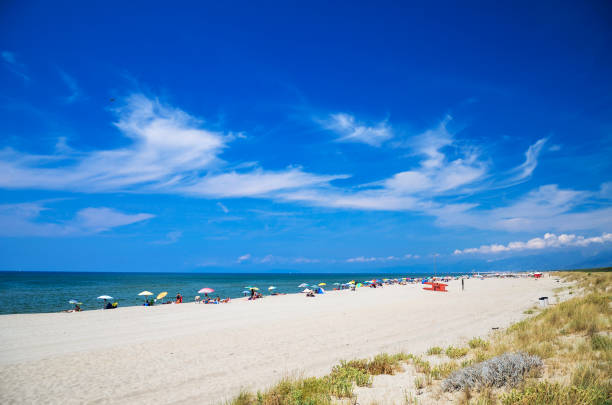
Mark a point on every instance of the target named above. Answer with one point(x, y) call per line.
point(456, 352)
point(478, 343)
point(436, 350)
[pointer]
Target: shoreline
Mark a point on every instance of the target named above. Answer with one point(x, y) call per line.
point(236, 296)
point(210, 352)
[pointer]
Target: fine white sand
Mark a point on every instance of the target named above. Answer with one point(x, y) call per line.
point(207, 353)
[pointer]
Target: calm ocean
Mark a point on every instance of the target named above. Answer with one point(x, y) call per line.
point(28, 292)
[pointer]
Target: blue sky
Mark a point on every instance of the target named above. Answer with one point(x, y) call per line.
point(242, 136)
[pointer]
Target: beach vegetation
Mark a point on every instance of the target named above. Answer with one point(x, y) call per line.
point(573, 340)
point(421, 366)
point(380, 364)
point(561, 355)
point(476, 343)
point(339, 383)
point(547, 393)
point(601, 342)
point(456, 352)
point(506, 370)
point(434, 351)
point(443, 370)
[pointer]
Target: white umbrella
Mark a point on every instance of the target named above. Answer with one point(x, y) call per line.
point(307, 290)
point(105, 297)
point(146, 293)
point(302, 285)
point(271, 288)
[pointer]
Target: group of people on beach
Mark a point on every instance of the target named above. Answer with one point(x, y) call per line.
point(208, 300)
point(254, 294)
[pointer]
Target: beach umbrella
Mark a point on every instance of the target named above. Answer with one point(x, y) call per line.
point(302, 285)
point(75, 302)
point(306, 291)
point(206, 290)
point(162, 295)
point(145, 293)
point(271, 288)
point(322, 284)
point(105, 297)
point(245, 292)
point(252, 288)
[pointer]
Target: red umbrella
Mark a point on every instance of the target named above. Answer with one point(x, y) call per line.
point(206, 290)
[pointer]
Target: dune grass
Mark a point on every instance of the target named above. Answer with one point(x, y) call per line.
point(434, 351)
point(323, 390)
point(456, 352)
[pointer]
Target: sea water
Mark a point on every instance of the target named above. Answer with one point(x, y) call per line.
point(32, 292)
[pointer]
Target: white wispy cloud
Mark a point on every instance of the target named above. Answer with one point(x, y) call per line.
point(410, 190)
point(244, 258)
point(546, 208)
point(75, 91)
point(349, 129)
point(270, 259)
point(223, 207)
point(372, 259)
point(167, 146)
point(278, 260)
point(11, 63)
point(257, 182)
point(170, 153)
point(550, 240)
point(437, 173)
point(24, 220)
point(526, 169)
point(170, 238)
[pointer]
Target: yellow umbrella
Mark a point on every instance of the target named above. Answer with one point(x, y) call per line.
point(352, 282)
point(162, 295)
point(322, 284)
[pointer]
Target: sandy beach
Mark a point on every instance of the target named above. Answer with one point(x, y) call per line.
point(207, 353)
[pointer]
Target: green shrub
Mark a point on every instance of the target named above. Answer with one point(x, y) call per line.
point(456, 352)
point(434, 350)
point(478, 342)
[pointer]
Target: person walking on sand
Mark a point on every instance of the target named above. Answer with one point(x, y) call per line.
point(462, 284)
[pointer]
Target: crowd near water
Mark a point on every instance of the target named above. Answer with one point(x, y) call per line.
point(34, 292)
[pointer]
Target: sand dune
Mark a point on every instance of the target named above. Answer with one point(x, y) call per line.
point(207, 353)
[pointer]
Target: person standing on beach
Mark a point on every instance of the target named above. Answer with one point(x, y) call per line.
point(462, 284)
